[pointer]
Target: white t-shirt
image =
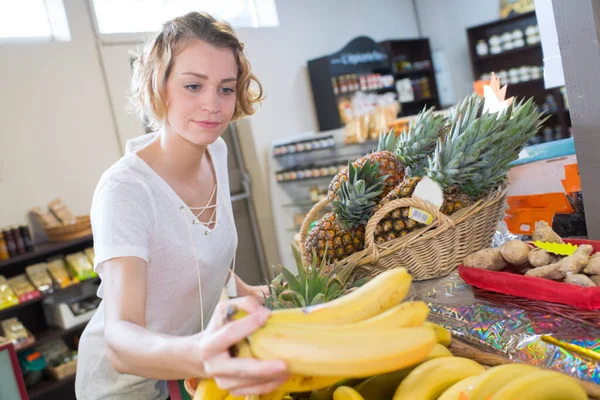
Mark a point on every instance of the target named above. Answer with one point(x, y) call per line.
point(136, 213)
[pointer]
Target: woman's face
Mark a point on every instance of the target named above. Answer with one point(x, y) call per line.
point(201, 92)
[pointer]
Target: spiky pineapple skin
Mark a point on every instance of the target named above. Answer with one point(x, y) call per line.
point(397, 224)
point(389, 165)
point(328, 234)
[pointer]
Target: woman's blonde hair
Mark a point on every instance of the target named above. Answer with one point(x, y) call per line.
point(151, 68)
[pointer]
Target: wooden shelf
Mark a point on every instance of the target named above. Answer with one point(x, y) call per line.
point(424, 100)
point(43, 250)
point(508, 52)
point(402, 74)
point(52, 334)
point(46, 386)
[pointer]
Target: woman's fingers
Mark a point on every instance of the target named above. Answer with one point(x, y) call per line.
point(232, 333)
point(246, 369)
point(258, 388)
point(227, 309)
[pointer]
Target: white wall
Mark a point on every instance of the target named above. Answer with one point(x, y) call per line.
point(57, 136)
point(445, 23)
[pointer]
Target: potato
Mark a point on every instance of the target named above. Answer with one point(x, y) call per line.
point(489, 259)
point(515, 252)
point(595, 279)
point(579, 280)
point(540, 257)
point(593, 265)
point(544, 233)
point(547, 272)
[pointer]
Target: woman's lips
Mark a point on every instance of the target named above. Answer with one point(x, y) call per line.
point(207, 124)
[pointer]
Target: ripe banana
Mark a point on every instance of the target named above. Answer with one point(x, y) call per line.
point(495, 378)
point(296, 383)
point(208, 390)
point(455, 391)
point(311, 350)
point(383, 386)
point(374, 297)
point(433, 377)
point(327, 393)
point(410, 313)
point(444, 336)
point(542, 385)
point(346, 393)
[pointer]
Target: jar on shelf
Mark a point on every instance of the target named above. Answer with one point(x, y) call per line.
point(503, 76)
point(536, 72)
point(495, 44)
point(507, 43)
point(481, 49)
point(513, 75)
point(532, 35)
point(525, 73)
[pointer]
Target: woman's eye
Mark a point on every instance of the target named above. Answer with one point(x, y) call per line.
point(193, 88)
point(227, 90)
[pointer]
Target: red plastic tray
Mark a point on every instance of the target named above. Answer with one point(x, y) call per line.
point(530, 287)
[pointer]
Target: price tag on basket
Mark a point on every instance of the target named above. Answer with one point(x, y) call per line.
point(430, 191)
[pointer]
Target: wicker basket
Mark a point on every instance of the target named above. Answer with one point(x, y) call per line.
point(64, 370)
point(430, 252)
point(82, 227)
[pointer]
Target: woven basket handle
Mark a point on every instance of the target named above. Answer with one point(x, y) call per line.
point(439, 219)
point(308, 219)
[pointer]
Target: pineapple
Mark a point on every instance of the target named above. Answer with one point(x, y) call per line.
point(418, 142)
point(341, 233)
point(472, 159)
point(309, 288)
point(389, 165)
point(314, 284)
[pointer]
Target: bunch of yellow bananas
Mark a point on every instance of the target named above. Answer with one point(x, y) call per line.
point(456, 378)
point(370, 345)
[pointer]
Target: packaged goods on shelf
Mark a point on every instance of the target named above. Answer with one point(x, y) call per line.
point(58, 272)
point(80, 266)
point(38, 275)
point(23, 288)
point(8, 298)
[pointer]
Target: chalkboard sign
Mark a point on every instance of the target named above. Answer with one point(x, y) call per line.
point(360, 55)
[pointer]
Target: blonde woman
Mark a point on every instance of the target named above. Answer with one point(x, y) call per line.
point(164, 234)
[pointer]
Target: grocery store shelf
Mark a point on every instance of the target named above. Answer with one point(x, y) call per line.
point(45, 250)
point(507, 52)
point(52, 334)
point(46, 386)
point(44, 296)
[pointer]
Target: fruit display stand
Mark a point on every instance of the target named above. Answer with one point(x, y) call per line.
point(498, 329)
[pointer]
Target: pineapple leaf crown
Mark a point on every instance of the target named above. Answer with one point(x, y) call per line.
point(520, 123)
point(310, 287)
point(419, 140)
point(387, 141)
point(476, 152)
point(358, 196)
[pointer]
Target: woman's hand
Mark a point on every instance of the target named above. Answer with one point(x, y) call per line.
point(239, 376)
point(258, 292)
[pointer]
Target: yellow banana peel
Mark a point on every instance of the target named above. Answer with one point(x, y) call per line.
point(376, 296)
point(346, 393)
point(310, 350)
point(430, 379)
point(542, 385)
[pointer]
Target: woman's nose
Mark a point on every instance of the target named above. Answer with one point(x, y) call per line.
point(210, 102)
